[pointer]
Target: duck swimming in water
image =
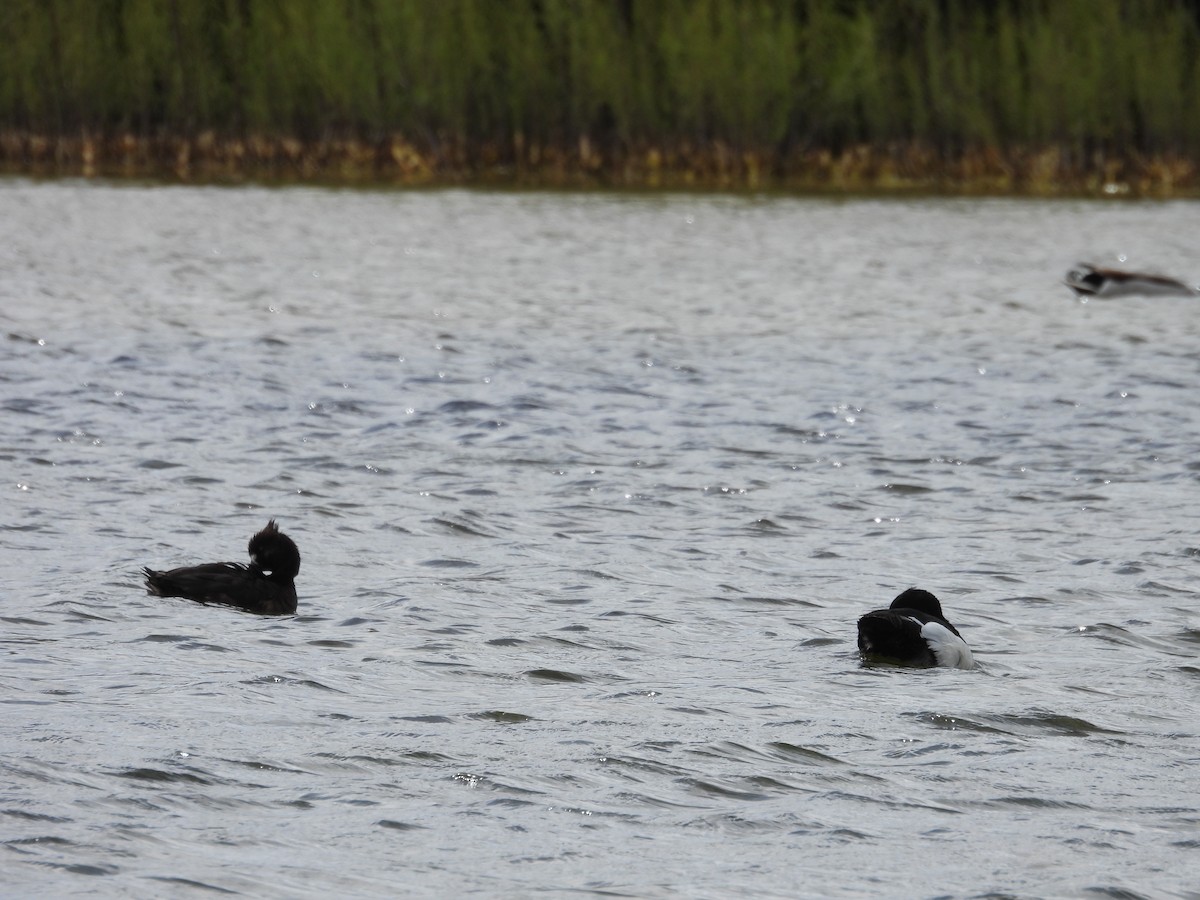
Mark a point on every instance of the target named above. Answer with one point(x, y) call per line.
point(266, 586)
point(913, 632)
point(1090, 281)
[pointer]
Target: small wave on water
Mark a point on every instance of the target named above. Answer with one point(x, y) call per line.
point(585, 527)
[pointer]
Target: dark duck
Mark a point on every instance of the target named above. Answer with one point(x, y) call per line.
point(266, 586)
point(1087, 280)
point(913, 632)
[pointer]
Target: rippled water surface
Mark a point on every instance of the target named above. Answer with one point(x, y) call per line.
point(590, 491)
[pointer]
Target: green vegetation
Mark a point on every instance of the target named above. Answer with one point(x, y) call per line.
point(476, 82)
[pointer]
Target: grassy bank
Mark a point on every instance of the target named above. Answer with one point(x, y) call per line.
point(897, 167)
point(1008, 94)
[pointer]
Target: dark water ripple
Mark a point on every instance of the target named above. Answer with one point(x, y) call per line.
point(589, 492)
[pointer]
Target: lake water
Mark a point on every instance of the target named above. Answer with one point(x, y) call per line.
point(590, 490)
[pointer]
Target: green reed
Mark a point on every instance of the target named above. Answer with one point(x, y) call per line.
point(760, 74)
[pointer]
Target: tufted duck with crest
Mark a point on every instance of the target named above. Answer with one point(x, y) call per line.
point(913, 632)
point(266, 586)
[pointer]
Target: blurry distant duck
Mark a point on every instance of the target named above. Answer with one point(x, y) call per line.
point(265, 586)
point(1090, 281)
point(913, 632)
